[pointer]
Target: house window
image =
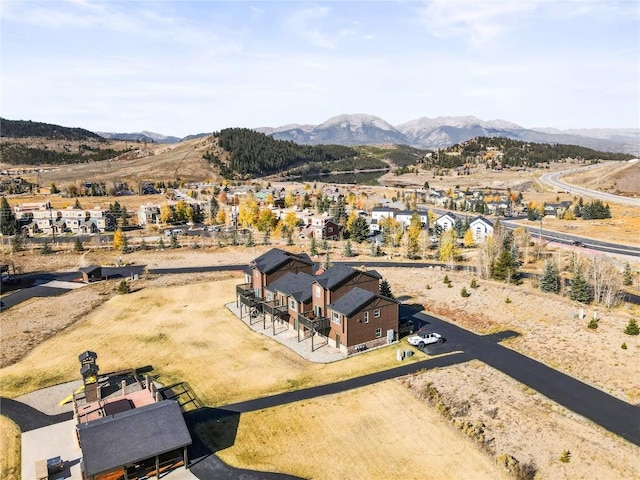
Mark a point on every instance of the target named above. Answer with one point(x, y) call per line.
point(366, 317)
point(293, 304)
point(378, 332)
point(269, 296)
point(376, 313)
point(335, 317)
point(318, 291)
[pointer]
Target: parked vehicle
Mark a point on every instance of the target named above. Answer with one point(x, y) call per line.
point(406, 326)
point(424, 339)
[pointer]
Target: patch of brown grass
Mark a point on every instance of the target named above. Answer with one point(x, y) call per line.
point(9, 449)
point(380, 431)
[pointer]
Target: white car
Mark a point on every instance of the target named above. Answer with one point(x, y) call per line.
point(425, 339)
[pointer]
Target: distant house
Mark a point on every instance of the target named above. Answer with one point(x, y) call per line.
point(481, 229)
point(148, 214)
point(404, 217)
point(320, 227)
point(556, 209)
point(446, 221)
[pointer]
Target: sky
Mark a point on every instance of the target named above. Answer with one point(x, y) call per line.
point(186, 67)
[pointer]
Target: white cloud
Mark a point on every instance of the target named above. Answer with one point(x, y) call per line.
point(305, 24)
point(477, 22)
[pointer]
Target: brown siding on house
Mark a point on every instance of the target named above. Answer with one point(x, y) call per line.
point(261, 280)
point(358, 332)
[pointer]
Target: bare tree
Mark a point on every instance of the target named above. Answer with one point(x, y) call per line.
point(605, 280)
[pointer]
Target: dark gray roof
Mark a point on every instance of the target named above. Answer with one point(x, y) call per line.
point(482, 219)
point(132, 436)
point(351, 302)
point(334, 276)
point(297, 285)
point(275, 258)
point(90, 269)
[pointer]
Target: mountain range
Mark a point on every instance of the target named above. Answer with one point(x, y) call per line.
point(431, 133)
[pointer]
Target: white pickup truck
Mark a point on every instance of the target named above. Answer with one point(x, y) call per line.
point(425, 339)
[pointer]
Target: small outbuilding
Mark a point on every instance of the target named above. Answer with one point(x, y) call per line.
point(91, 273)
point(134, 443)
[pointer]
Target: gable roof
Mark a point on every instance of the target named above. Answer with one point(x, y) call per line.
point(336, 275)
point(275, 258)
point(450, 216)
point(132, 436)
point(298, 285)
point(481, 219)
point(352, 301)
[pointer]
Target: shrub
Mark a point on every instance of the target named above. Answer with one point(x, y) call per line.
point(632, 327)
point(446, 280)
point(507, 300)
point(593, 324)
point(77, 245)
point(427, 286)
point(565, 457)
point(474, 283)
point(123, 288)
point(624, 346)
point(464, 293)
point(46, 248)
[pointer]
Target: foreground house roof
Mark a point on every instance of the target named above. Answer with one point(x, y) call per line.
point(353, 301)
point(298, 285)
point(131, 436)
point(273, 259)
point(336, 275)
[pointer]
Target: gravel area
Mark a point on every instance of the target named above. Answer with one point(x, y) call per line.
point(289, 338)
point(47, 400)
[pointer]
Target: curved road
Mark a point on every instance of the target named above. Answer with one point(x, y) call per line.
point(553, 179)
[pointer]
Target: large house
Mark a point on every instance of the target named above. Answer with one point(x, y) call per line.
point(481, 229)
point(341, 304)
point(446, 221)
point(43, 218)
point(403, 217)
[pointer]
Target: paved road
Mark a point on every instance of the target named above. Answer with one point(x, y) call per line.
point(553, 179)
point(38, 284)
point(617, 416)
point(28, 418)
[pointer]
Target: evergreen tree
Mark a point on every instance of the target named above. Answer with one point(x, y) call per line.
point(77, 245)
point(348, 251)
point(77, 204)
point(327, 262)
point(123, 288)
point(174, 242)
point(161, 244)
point(143, 245)
point(16, 243)
point(8, 224)
point(359, 229)
point(46, 248)
point(549, 281)
point(627, 275)
point(385, 289)
point(213, 209)
point(250, 243)
point(325, 245)
point(266, 240)
point(125, 244)
point(579, 290)
point(313, 248)
point(632, 327)
point(505, 268)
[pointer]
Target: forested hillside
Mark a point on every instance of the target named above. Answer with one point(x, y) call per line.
point(27, 128)
point(517, 153)
point(255, 154)
point(16, 154)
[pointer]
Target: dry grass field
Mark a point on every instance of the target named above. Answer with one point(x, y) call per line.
point(620, 178)
point(178, 325)
point(9, 449)
point(376, 432)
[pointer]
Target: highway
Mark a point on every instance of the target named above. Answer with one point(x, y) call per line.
point(553, 179)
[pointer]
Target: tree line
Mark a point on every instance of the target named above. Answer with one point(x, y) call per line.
point(17, 154)
point(27, 128)
point(255, 154)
